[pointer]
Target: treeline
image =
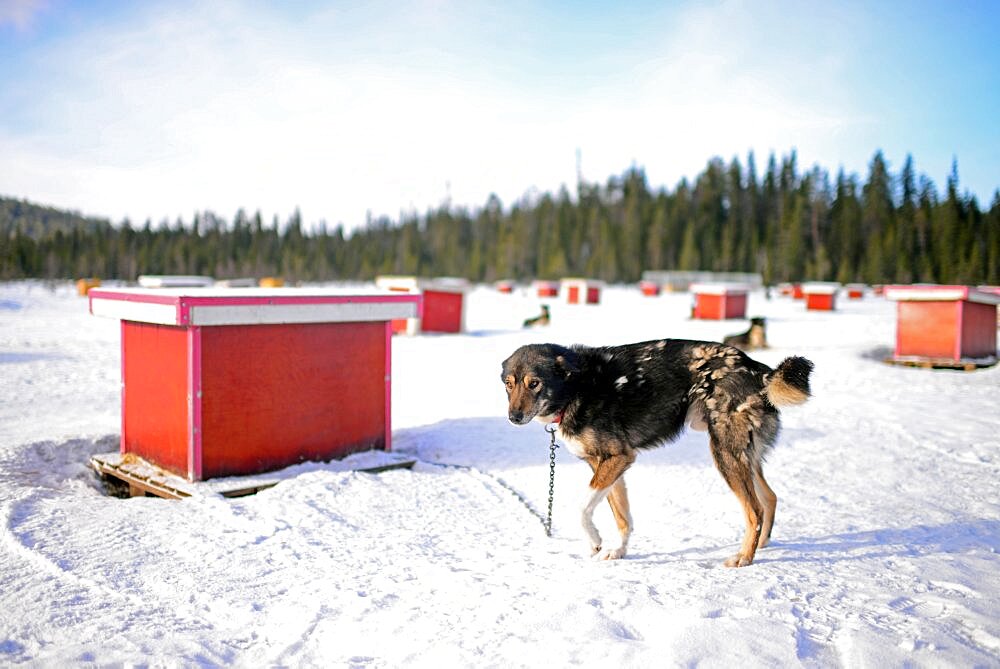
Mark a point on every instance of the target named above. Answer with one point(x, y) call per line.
point(784, 224)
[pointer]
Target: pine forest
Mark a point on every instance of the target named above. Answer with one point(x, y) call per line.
point(786, 224)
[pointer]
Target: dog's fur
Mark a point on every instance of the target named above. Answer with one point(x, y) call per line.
point(611, 402)
point(755, 337)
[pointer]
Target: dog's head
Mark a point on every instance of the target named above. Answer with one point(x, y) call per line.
point(537, 377)
point(758, 321)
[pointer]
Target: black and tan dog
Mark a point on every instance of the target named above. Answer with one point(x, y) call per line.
point(611, 402)
point(542, 319)
point(754, 338)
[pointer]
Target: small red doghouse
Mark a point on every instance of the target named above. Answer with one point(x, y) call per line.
point(221, 382)
point(821, 295)
point(950, 324)
point(443, 305)
point(719, 301)
point(792, 290)
point(649, 288)
point(582, 291)
point(855, 291)
point(547, 288)
point(505, 287)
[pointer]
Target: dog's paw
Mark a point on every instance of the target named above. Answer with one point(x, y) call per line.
point(739, 560)
point(611, 554)
point(594, 551)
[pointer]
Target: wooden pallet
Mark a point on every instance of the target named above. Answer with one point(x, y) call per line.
point(941, 363)
point(127, 475)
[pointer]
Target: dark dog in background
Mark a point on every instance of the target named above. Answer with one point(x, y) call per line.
point(541, 319)
point(754, 338)
point(612, 402)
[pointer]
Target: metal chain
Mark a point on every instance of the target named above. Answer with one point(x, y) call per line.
point(552, 475)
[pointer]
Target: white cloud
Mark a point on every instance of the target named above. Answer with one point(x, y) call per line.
point(212, 108)
point(20, 13)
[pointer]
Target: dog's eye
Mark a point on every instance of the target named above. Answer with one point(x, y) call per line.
point(533, 384)
point(509, 384)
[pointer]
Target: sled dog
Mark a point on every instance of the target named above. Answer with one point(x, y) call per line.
point(755, 337)
point(611, 402)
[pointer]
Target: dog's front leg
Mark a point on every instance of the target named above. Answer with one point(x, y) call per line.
point(587, 518)
point(607, 480)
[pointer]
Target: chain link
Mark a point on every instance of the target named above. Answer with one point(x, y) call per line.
point(552, 475)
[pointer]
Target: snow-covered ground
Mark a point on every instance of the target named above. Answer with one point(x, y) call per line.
point(884, 553)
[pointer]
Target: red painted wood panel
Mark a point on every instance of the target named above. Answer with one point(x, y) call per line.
point(820, 301)
point(573, 294)
point(736, 305)
point(442, 311)
point(708, 306)
point(593, 295)
point(928, 329)
point(979, 330)
point(275, 395)
point(155, 397)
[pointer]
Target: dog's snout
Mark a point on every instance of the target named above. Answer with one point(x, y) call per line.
point(516, 417)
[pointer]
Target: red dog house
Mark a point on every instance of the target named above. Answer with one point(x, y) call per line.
point(221, 382)
point(821, 295)
point(952, 324)
point(582, 291)
point(792, 290)
point(547, 288)
point(717, 301)
point(855, 291)
point(506, 287)
point(649, 288)
point(443, 304)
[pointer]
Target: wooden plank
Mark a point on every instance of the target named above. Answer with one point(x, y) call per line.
point(142, 477)
point(254, 489)
point(138, 483)
point(941, 363)
point(244, 492)
point(406, 464)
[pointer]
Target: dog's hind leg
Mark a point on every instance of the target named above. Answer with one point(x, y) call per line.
point(607, 472)
point(769, 501)
point(738, 475)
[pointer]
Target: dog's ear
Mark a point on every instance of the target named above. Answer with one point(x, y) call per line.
point(504, 367)
point(566, 364)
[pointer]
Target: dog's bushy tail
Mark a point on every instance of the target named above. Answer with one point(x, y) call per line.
point(788, 385)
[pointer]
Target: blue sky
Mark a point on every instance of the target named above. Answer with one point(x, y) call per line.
point(160, 109)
